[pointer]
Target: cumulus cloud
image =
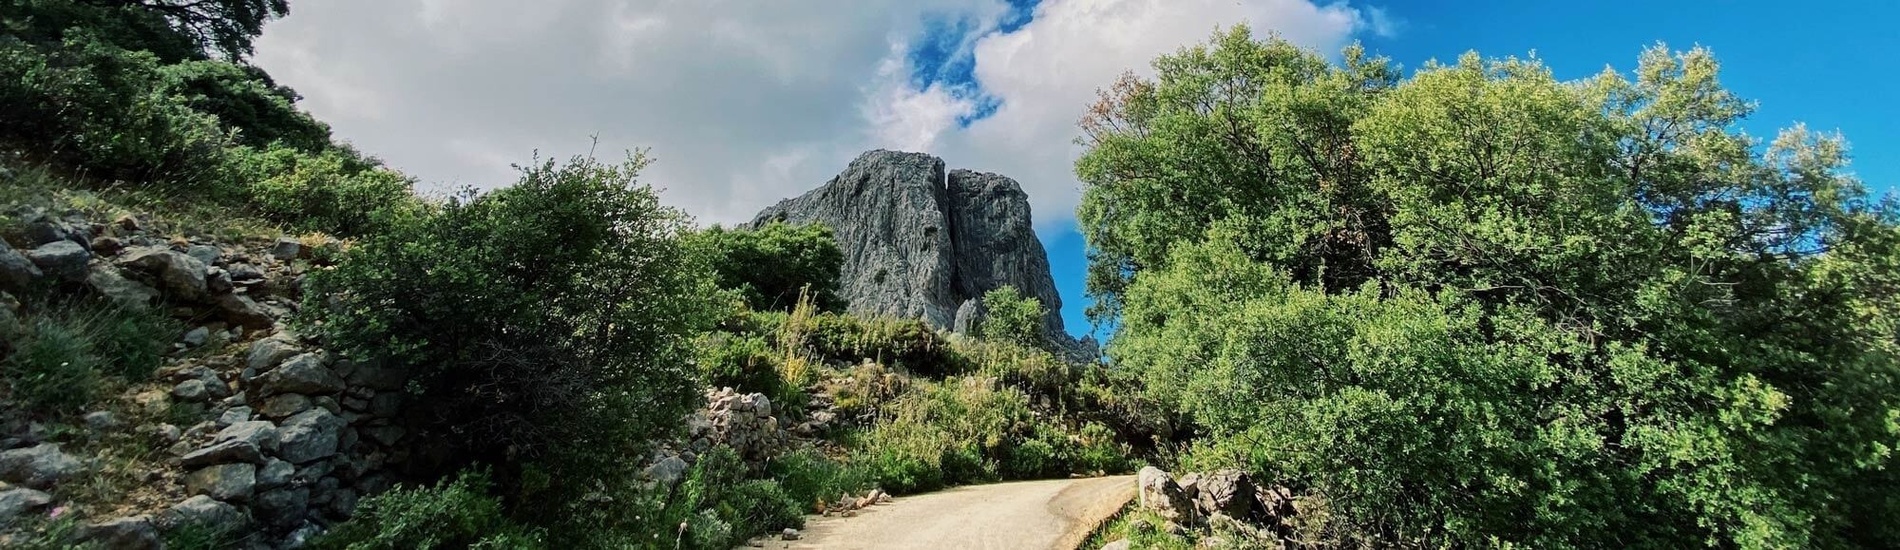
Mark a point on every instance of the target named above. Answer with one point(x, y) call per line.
point(743, 102)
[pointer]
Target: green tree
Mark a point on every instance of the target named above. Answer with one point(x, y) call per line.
point(773, 265)
point(175, 30)
point(546, 328)
point(1483, 306)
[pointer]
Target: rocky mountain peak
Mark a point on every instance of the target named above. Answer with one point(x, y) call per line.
point(920, 242)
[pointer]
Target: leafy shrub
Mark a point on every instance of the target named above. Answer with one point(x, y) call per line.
point(864, 389)
point(745, 362)
point(245, 99)
point(809, 477)
point(773, 265)
point(544, 324)
point(333, 191)
point(970, 430)
point(1011, 317)
point(908, 343)
point(455, 513)
point(94, 106)
point(716, 508)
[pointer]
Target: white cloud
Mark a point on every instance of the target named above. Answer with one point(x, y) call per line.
point(744, 102)
point(1047, 73)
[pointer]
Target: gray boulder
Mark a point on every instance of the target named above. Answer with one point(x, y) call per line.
point(108, 282)
point(1159, 492)
point(129, 533)
point(223, 452)
point(178, 273)
point(16, 272)
point(305, 374)
point(203, 511)
point(284, 405)
point(205, 254)
point(64, 259)
point(286, 249)
point(245, 273)
point(667, 471)
point(921, 243)
point(17, 501)
point(196, 337)
point(266, 354)
point(101, 420)
point(39, 467)
point(192, 391)
point(282, 507)
point(257, 433)
point(309, 436)
point(1229, 492)
point(276, 473)
point(245, 312)
point(227, 482)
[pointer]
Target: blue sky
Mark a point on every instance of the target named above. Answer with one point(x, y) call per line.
point(1832, 65)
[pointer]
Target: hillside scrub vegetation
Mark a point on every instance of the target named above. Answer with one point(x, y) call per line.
point(1479, 306)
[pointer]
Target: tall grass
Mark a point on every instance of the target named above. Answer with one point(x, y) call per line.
point(71, 348)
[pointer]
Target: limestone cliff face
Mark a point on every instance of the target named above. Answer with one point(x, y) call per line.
point(922, 243)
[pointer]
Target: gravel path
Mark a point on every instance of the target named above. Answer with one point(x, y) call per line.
point(1028, 515)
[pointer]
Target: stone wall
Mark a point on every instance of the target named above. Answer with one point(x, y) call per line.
point(292, 437)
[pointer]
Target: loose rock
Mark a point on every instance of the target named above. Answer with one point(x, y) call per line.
point(16, 272)
point(196, 337)
point(17, 501)
point(131, 533)
point(108, 282)
point(286, 249)
point(302, 374)
point(309, 436)
point(63, 259)
point(203, 511)
point(228, 482)
point(39, 467)
point(178, 273)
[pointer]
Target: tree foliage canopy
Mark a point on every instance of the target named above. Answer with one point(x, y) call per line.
point(1479, 305)
point(773, 265)
point(545, 325)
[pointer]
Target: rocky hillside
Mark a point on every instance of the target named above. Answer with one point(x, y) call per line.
point(923, 243)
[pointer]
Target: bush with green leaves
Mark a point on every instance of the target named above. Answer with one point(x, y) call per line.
point(455, 513)
point(93, 106)
point(971, 430)
point(743, 361)
point(1481, 306)
point(334, 191)
point(848, 339)
point(809, 477)
point(546, 326)
point(715, 507)
point(772, 266)
point(1009, 316)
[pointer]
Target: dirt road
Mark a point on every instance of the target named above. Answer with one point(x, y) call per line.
point(1029, 515)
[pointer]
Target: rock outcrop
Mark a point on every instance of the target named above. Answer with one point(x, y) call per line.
point(923, 243)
